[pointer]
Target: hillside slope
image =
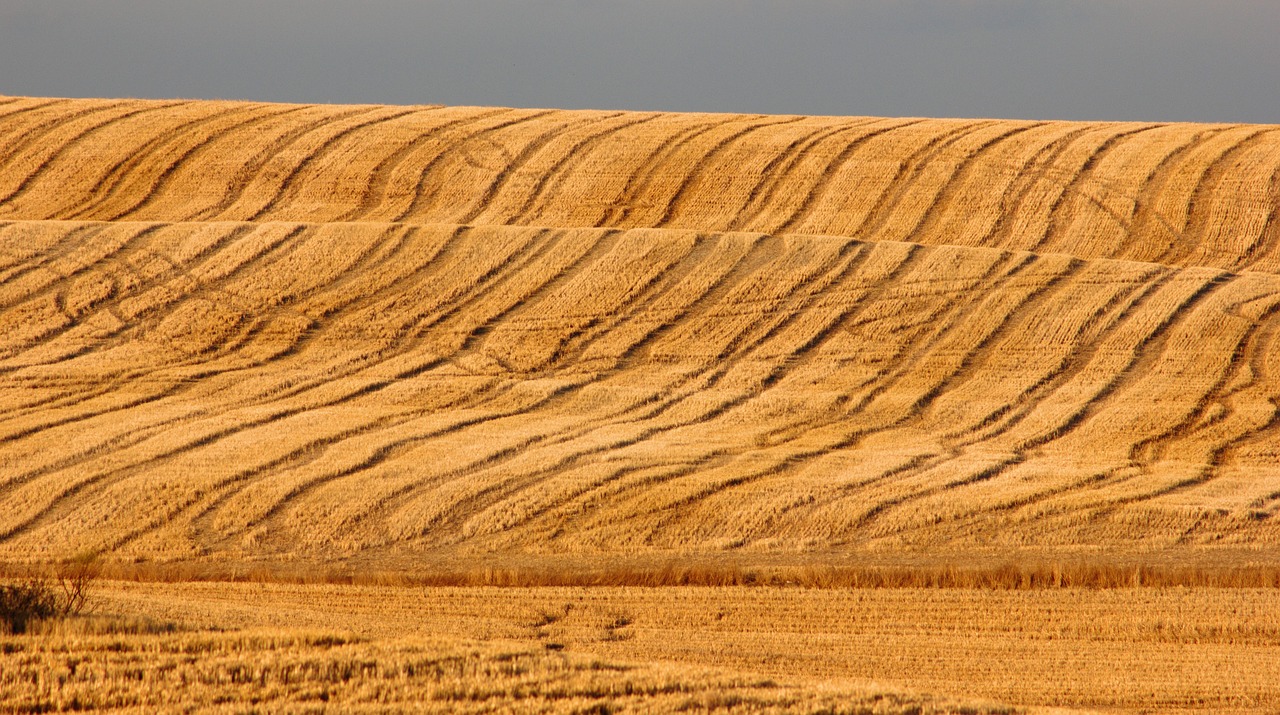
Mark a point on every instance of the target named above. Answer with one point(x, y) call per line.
point(245, 331)
point(1180, 194)
point(177, 388)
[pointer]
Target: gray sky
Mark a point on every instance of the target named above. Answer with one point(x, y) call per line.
point(1192, 60)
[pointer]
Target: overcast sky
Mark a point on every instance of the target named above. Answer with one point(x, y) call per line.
point(1192, 60)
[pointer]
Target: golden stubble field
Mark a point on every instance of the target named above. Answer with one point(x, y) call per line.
point(429, 346)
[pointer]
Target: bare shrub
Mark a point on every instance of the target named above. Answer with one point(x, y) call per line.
point(41, 598)
point(75, 576)
point(21, 604)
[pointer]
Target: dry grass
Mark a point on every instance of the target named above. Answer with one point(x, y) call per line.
point(1175, 650)
point(282, 671)
point(821, 572)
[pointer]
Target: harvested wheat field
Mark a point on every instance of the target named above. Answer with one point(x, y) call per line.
point(273, 670)
point(505, 351)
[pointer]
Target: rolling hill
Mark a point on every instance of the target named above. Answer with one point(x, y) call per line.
point(236, 331)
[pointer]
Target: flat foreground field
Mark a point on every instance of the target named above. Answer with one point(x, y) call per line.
point(1138, 649)
point(281, 670)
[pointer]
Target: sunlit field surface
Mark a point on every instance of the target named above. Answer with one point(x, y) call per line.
point(961, 408)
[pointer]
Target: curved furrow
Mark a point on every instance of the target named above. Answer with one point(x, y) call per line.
point(779, 177)
point(143, 281)
point(1074, 188)
point(289, 185)
point(190, 160)
point(694, 291)
point(1149, 205)
point(18, 253)
point(911, 203)
point(179, 387)
point(377, 512)
point(612, 340)
point(32, 261)
point(652, 408)
point(489, 495)
point(619, 207)
point(331, 184)
point(1212, 410)
point(24, 127)
point(868, 193)
point(529, 500)
point(228, 490)
point(1094, 331)
point(18, 106)
point(137, 434)
point(957, 190)
point(91, 450)
point(1209, 413)
point(492, 495)
point(45, 159)
point(277, 415)
point(618, 279)
point(1018, 202)
point(538, 250)
point(1037, 398)
point(1017, 292)
point(728, 193)
point(27, 131)
point(907, 177)
point(338, 388)
point(564, 513)
point(952, 361)
point(115, 336)
point(555, 180)
point(49, 280)
point(305, 487)
point(472, 341)
point(286, 388)
point(729, 177)
point(867, 311)
point(920, 469)
point(1265, 420)
point(1046, 189)
point(1138, 334)
point(801, 219)
point(425, 194)
point(203, 505)
point(236, 182)
point(1099, 475)
point(1120, 179)
point(387, 451)
point(1257, 247)
point(379, 188)
point(275, 515)
point(144, 157)
point(1198, 224)
point(812, 340)
point(515, 172)
point(683, 189)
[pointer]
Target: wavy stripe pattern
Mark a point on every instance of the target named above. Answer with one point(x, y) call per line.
point(173, 388)
point(233, 330)
point(1181, 194)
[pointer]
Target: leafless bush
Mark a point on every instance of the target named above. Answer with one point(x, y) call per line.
point(20, 604)
point(40, 598)
point(74, 579)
